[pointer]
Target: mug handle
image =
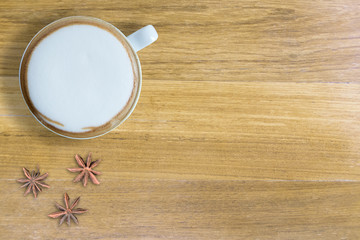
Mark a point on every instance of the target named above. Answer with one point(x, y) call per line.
point(143, 37)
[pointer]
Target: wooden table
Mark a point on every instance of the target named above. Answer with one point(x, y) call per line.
point(247, 126)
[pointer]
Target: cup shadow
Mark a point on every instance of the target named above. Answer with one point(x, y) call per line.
point(128, 27)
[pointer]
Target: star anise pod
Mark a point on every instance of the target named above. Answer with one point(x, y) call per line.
point(86, 170)
point(68, 211)
point(33, 181)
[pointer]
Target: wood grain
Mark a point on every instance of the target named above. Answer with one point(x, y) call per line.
point(173, 209)
point(247, 126)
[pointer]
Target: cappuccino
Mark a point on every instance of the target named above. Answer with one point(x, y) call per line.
point(80, 78)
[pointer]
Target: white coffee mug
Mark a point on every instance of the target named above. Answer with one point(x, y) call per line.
point(81, 77)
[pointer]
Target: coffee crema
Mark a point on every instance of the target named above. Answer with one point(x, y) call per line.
point(80, 77)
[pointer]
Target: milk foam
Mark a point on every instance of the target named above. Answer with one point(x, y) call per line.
point(80, 76)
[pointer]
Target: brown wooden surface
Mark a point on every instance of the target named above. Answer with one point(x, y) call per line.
point(247, 126)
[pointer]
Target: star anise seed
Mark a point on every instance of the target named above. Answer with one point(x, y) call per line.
point(86, 170)
point(33, 181)
point(68, 212)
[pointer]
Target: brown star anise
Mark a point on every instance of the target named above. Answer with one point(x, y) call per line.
point(86, 171)
point(67, 212)
point(33, 181)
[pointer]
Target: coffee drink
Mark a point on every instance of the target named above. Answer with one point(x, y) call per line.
point(80, 77)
